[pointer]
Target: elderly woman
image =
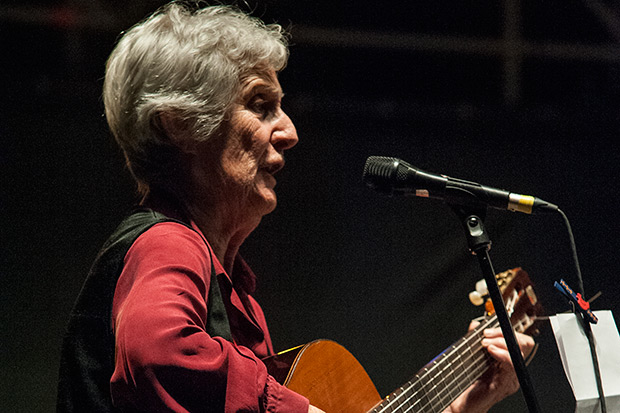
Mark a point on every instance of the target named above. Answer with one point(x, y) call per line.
point(166, 320)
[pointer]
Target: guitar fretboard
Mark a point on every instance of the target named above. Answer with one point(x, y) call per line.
point(442, 380)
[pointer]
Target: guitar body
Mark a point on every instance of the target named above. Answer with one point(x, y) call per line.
point(327, 374)
point(334, 381)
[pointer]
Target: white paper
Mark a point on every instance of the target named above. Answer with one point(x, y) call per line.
point(577, 360)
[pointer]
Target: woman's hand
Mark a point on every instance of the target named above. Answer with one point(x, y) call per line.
point(499, 381)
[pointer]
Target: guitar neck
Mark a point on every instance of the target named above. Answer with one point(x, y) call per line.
point(334, 381)
point(442, 380)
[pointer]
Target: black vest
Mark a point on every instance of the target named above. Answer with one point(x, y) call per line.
point(87, 359)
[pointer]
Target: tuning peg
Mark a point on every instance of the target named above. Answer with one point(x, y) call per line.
point(481, 288)
point(475, 298)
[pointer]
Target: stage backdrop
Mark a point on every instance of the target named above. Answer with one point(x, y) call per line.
point(387, 277)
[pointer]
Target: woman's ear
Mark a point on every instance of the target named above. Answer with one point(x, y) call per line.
point(178, 131)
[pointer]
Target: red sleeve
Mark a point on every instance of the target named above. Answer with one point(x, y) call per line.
point(165, 360)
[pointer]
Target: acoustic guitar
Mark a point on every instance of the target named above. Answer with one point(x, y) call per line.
point(334, 381)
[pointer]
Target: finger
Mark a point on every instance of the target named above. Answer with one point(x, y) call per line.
point(500, 354)
point(473, 324)
point(495, 341)
point(493, 332)
point(526, 343)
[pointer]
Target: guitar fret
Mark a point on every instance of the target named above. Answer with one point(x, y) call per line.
point(431, 390)
point(456, 365)
point(442, 380)
point(445, 399)
point(449, 377)
point(445, 388)
point(425, 399)
point(388, 405)
point(464, 359)
point(400, 393)
point(421, 395)
point(444, 396)
point(418, 401)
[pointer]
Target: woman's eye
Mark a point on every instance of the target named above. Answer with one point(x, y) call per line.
point(257, 105)
point(261, 106)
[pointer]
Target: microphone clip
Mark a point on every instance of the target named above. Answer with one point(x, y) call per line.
point(472, 219)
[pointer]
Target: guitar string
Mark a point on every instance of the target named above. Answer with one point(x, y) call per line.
point(395, 396)
point(406, 392)
point(472, 369)
point(468, 362)
point(476, 364)
point(470, 376)
point(448, 398)
point(443, 394)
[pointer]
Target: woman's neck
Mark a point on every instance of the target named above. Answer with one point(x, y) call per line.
point(224, 231)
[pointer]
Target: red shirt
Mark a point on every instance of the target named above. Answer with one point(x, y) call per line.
point(165, 360)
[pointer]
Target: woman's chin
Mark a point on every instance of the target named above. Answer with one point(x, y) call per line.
point(266, 201)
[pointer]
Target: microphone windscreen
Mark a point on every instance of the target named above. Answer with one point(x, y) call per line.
point(379, 172)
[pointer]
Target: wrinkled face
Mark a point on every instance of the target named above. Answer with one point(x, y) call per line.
point(254, 139)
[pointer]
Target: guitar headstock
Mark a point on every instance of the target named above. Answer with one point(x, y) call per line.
point(519, 297)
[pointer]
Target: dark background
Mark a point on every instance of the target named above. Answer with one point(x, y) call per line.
point(522, 95)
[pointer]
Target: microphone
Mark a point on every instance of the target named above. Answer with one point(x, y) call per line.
point(394, 176)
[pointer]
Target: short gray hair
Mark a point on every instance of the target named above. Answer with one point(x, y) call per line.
point(188, 63)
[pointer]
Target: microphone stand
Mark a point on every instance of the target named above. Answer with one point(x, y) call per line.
point(479, 244)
